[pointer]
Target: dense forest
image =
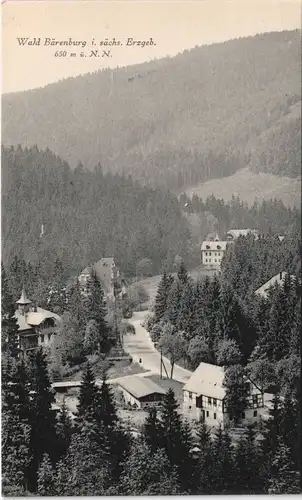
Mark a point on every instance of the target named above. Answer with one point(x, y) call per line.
point(62, 220)
point(97, 455)
point(217, 216)
point(225, 106)
point(84, 216)
point(221, 321)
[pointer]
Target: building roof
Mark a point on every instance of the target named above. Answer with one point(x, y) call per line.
point(207, 381)
point(214, 245)
point(140, 387)
point(23, 299)
point(278, 279)
point(242, 232)
point(34, 318)
point(102, 268)
point(99, 265)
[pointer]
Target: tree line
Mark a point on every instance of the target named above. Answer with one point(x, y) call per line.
point(52, 213)
point(214, 215)
point(96, 454)
point(221, 320)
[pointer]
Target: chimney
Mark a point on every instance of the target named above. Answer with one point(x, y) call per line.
point(280, 275)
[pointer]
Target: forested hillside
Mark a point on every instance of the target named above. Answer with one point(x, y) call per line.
point(52, 212)
point(178, 121)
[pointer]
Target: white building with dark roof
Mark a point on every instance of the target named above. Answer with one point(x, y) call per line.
point(36, 326)
point(140, 392)
point(212, 253)
point(203, 396)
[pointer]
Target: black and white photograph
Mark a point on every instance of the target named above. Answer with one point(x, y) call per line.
point(150, 248)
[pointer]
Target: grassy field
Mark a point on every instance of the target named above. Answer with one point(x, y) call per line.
point(249, 185)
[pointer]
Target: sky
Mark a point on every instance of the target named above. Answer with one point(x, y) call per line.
point(173, 26)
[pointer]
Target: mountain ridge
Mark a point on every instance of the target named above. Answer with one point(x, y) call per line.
point(176, 122)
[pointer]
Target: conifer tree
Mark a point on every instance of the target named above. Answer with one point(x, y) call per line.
point(177, 437)
point(63, 431)
point(148, 473)
point(283, 478)
point(46, 478)
point(106, 410)
point(174, 302)
point(161, 300)
point(272, 427)
point(87, 395)
point(43, 435)
point(94, 304)
point(205, 465)
point(203, 435)
point(9, 326)
point(223, 463)
point(16, 454)
point(248, 464)
point(290, 426)
point(236, 392)
point(84, 469)
point(182, 274)
point(153, 430)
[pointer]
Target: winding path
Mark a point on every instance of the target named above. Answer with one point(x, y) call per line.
point(139, 346)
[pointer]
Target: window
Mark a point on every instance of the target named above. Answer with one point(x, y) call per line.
point(214, 416)
point(49, 336)
point(210, 401)
point(207, 413)
point(255, 400)
point(215, 260)
point(199, 402)
point(214, 402)
point(243, 415)
point(206, 260)
point(206, 253)
point(190, 395)
point(255, 413)
point(42, 338)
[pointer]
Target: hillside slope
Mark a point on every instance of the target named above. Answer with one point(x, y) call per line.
point(175, 121)
point(251, 186)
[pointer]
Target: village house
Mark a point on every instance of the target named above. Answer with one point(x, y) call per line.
point(36, 326)
point(278, 279)
point(140, 392)
point(203, 397)
point(212, 253)
point(233, 234)
point(109, 276)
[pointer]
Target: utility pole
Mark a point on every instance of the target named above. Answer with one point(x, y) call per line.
point(161, 363)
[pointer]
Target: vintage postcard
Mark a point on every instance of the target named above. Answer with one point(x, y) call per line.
point(151, 247)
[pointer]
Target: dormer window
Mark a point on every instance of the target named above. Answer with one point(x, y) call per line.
point(208, 247)
point(218, 247)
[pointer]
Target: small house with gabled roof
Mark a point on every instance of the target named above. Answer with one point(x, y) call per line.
point(140, 392)
point(204, 394)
